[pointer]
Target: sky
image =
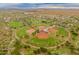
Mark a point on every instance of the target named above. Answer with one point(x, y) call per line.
point(38, 5)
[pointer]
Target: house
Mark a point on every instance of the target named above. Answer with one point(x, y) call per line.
point(30, 31)
point(52, 30)
point(41, 28)
point(42, 35)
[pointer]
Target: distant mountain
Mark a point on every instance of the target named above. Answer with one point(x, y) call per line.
point(39, 5)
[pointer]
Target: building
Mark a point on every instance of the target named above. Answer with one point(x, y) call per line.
point(41, 28)
point(42, 35)
point(30, 31)
point(52, 29)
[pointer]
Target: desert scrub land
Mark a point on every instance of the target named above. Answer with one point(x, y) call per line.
point(49, 32)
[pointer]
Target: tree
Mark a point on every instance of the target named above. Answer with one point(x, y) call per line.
point(44, 50)
point(17, 48)
point(41, 50)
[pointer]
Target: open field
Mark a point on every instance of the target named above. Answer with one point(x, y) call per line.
point(39, 31)
point(72, 12)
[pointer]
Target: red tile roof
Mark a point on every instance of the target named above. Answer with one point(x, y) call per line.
point(30, 31)
point(42, 35)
